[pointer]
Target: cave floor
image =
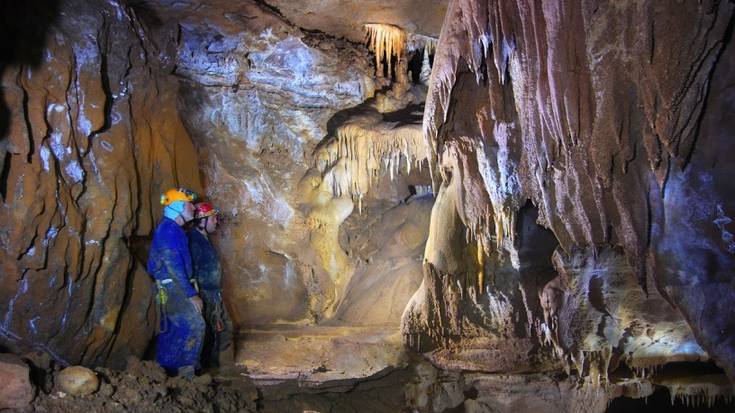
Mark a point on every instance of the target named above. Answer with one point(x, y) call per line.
point(314, 355)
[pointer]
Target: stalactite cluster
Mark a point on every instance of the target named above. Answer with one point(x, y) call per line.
point(388, 42)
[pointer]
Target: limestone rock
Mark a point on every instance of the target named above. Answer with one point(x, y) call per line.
point(584, 193)
point(257, 120)
point(344, 18)
point(77, 381)
point(94, 139)
point(16, 391)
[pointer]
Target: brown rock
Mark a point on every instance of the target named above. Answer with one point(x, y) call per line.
point(96, 138)
point(16, 391)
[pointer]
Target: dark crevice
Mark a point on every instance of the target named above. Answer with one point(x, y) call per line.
point(105, 80)
point(23, 32)
point(4, 176)
point(727, 40)
point(415, 61)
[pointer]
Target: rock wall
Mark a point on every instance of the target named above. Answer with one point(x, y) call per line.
point(581, 154)
point(93, 138)
point(258, 96)
point(262, 98)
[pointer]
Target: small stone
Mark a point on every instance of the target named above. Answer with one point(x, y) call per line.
point(16, 391)
point(78, 381)
point(106, 390)
point(203, 380)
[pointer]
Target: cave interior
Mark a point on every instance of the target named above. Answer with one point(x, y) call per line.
point(425, 205)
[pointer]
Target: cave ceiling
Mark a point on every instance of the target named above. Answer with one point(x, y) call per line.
point(339, 18)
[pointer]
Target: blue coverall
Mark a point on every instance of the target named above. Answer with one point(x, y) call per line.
point(182, 327)
point(208, 273)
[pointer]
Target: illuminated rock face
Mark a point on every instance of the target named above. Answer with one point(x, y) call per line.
point(93, 138)
point(582, 160)
point(345, 18)
point(261, 99)
point(100, 126)
point(256, 122)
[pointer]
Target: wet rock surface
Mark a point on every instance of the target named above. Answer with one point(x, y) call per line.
point(558, 237)
point(93, 138)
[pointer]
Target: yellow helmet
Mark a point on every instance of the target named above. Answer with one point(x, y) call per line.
point(178, 194)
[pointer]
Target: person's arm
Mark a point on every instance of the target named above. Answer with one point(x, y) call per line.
point(188, 268)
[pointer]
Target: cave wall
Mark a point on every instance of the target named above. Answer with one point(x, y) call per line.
point(99, 124)
point(259, 97)
point(613, 128)
point(93, 137)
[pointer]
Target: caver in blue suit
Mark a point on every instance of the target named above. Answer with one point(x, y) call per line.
point(208, 273)
point(182, 327)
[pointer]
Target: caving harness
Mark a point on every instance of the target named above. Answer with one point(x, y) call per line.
point(162, 300)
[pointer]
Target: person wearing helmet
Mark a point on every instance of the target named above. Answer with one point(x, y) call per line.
point(179, 342)
point(218, 349)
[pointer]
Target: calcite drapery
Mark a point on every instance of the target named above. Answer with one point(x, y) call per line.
point(615, 128)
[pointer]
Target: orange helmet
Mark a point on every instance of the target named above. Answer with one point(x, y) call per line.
point(178, 194)
point(205, 209)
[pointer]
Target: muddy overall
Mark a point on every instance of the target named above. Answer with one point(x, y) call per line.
point(218, 348)
point(182, 327)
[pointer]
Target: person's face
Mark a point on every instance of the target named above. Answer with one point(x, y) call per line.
point(212, 223)
point(188, 213)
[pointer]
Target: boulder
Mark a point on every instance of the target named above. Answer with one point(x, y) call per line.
point(16, 391)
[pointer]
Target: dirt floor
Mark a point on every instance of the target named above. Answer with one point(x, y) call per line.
point(414, 386)
point(145, 387)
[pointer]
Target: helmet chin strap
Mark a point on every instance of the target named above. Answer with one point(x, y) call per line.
point(204, 227)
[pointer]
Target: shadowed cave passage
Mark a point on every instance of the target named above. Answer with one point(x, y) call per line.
point(426, 205)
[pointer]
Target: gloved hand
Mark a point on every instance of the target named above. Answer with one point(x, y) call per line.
point(220, 326)
point(197, 302)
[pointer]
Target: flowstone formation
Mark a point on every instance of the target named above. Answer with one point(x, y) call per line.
point(580, 155)
point(93, 137)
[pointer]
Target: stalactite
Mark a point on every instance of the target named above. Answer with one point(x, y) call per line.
point(360, 150)
point(425, 68)
point(385, 40)
point(481, 266)
point(698, 391)
point(420, 41)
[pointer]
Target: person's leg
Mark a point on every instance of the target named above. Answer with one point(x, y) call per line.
point(173, 336)
point(180, 345)
point(192, 346)
point(226, 345)
point(209, 349)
